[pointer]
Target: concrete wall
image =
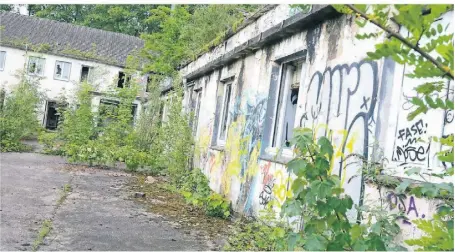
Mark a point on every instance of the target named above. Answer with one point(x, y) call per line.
point(357, 103)
point(16, 61)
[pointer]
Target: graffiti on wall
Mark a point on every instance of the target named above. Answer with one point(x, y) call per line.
point(340, 103)
point(250, 138)
point(267, 184)
point(409, 144)
point(404, 204)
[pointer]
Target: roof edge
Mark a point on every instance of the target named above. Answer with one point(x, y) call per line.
point(287, 27)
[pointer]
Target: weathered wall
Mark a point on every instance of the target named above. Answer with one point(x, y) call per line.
point(357, 103)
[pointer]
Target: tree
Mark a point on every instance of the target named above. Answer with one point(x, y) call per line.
point(128, 19)
point(186, 31)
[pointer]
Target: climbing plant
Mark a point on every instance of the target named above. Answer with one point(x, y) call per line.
point(319, 200)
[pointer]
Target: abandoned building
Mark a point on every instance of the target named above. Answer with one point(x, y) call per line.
point(285, 70)
point(61, 56)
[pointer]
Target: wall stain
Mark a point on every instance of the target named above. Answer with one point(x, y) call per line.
point(334, 29)
point(312, 37)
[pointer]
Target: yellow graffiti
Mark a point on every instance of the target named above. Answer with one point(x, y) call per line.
point(233, 151)
point(279, 190)
point(338, 147)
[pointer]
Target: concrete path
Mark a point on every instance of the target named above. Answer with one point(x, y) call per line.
point(96, 214)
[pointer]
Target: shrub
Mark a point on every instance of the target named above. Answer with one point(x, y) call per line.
point(18, 116)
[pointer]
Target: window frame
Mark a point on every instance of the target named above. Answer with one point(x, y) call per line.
point(278, 122)
point(89, 75)
point(197, 110)
point(2, 60)
point(65, 63)
point(225, 109)
point(43, 66)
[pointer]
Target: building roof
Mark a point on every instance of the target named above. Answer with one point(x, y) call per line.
point(64, 39)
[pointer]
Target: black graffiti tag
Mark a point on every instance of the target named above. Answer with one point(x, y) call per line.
point(412, 149)
point(266, 194)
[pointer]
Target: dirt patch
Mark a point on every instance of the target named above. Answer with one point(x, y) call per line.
point(160, 198)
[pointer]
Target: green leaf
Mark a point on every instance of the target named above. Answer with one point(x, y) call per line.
point(403, 186)
point(297, 166)
point(356, 232)
point(315, 242)
point(326, 147)
point(322, 164)
point(413, 171)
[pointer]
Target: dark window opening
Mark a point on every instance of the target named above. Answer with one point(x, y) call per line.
point(122, 80)
point(287, 104)
point(147, 85)
point(196, 111)
point(84, 73)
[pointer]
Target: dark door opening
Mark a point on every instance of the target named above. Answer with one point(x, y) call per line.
point(52, 116)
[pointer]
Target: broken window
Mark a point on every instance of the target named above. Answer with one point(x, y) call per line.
point(287, 104)
point(123, 80)
point(62, 70)
point(86, 74)
point(53, 114)
point(197, 109)
point(225, 112)
point(108, 111)
point(36, 66)
point(2, 60)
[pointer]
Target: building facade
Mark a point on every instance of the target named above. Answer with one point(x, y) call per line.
point(287, 70)
point(60, 56)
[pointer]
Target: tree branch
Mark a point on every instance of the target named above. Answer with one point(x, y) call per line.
point(441, 67)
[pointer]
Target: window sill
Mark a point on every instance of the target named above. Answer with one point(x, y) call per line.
point(280, 159)
point(217, 148)
point(61, 79)
point(392, 182)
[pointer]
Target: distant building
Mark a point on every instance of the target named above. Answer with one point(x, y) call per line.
point(63, 55)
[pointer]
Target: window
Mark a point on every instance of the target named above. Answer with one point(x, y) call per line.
point(2, 60)
point(36, 66)
point(62, 70)
point(86, 73)
point(122, 79)
point(108, 111)
point(197, 109)
point(286, 104)
point(225, 113)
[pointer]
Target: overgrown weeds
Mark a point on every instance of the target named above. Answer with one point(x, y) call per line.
point(43, 232)
point(18, 115)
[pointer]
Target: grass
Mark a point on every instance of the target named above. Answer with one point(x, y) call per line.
point(64, 193)
point(43, 232)
point(47, 224)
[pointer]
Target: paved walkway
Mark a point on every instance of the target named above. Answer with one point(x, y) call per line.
point(97, 214)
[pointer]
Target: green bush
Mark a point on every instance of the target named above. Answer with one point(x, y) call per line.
point(255, 235)
point(194, 187)
point(18, 115)
point(51, 142)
